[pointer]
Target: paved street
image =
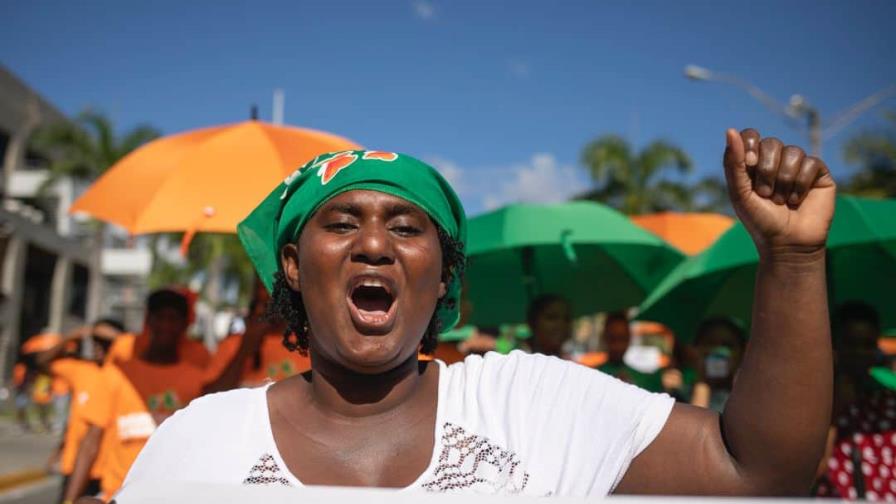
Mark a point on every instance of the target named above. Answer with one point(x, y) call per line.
point(45, 491)
point(23, 456)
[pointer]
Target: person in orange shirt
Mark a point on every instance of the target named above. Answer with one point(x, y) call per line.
point(135, 396)
point(22, 376)
point(63, 363)
point(256, 356)
point(36, 385)
point(192, 351)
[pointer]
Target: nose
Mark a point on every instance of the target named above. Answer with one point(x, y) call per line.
point(373, 246)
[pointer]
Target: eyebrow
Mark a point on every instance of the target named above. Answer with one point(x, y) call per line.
point(356, 211)
point(401, 209)
point(345, 208)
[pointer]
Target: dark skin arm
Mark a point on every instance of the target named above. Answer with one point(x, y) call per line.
point(45, 358)
point(87, 453)
point(772, 433)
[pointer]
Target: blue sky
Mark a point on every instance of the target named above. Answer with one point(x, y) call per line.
point(502, 96)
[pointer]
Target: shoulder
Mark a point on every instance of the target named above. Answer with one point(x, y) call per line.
point(65, 367)
point(520, 370)
point(521, 384)
point(552, 390)
point(112, 374)
point(574, 428)
point(213, 413)
point(203, 440)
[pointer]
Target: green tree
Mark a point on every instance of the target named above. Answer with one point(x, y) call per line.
point(637, 182)
point(87, 146)
point(84, 149)
point(874, 153)
point(216, 260)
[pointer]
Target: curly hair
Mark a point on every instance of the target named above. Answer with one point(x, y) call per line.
point(286, 304)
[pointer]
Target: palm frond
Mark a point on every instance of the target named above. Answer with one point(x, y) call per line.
point(874, 154)
point(103, 133)
point(136, 138)
point(667, 195)
point(607, 157)
point(661, 155)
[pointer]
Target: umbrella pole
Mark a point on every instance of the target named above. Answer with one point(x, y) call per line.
point(528, 259)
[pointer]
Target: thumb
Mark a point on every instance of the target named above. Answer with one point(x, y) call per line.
point(739, 183)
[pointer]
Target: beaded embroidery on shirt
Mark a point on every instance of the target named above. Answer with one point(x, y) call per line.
point(266, 472)
point(472, 463)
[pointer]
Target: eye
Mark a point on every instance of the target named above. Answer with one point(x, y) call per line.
point(340, 227)
point(406, 230)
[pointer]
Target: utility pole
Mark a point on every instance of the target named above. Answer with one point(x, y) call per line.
point(798, 107)
point(278, 107)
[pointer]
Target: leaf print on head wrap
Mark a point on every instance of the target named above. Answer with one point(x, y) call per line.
point(329, 168)
point(380, 155)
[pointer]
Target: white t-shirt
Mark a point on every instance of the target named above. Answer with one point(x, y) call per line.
point(515, 424)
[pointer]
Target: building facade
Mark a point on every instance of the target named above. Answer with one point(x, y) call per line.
point(56, 271)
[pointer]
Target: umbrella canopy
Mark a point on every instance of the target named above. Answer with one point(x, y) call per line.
point(719, 281)
point(691, 233)
point(589, 253)
point(202, 180)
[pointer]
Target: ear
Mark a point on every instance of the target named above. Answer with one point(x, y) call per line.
point(289, 262)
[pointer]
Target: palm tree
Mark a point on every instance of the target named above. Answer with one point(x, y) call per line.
point(218, 258)
point(634, 182)
point(875, 154)
point(84, 149)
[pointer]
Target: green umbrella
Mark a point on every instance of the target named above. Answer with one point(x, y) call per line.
point(589, 253)
point(719, 281)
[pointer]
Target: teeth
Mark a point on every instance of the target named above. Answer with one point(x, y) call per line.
point(373, 282)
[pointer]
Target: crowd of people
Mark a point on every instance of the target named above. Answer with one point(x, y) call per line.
point(110, 389)
point(362, 253)
point(123, 385)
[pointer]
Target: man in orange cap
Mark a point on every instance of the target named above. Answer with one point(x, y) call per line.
point(194, 352)
point(134, 396)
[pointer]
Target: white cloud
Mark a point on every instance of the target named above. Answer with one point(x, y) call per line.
point(424, 9)
point(450, 170)
point(542, 180)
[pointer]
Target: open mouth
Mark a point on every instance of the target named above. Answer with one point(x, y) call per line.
point(372, 302)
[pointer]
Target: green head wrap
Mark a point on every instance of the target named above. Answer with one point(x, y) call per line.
point(279, 219)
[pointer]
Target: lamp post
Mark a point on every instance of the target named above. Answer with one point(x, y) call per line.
point(798, 107)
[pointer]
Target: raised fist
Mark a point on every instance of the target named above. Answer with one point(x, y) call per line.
point(784, 198)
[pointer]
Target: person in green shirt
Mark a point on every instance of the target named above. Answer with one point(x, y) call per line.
point(617, 338)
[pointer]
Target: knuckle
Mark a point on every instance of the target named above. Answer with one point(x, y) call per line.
point(766, 169)
point(794, 152)
point(771, 143)
point(813, 161)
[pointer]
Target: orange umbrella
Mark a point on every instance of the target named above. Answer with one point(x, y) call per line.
point(689, 232)
point(202, 180)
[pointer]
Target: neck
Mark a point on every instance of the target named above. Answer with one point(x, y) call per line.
point(160, 354)
point(337, 390)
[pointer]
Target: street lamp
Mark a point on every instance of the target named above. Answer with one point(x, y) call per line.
point(798, 107)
